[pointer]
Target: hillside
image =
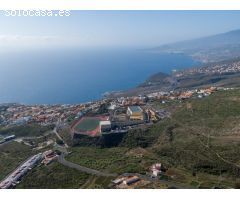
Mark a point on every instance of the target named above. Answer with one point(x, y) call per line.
point(221, 74)
point(199, 145)
point(207, 49)
point(157, 79)
point(202, 136)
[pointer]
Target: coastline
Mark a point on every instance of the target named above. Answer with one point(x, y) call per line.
point(74, 78)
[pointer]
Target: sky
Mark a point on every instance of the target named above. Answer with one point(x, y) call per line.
point(113, 28)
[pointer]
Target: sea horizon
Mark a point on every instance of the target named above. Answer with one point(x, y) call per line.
point(74, 76)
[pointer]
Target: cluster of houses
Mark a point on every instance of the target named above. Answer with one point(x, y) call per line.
point(14, 178)
point(130, 101)
point(127, 102)
point(220, 68)
point(181, 95)
point(134, 111)
point(18, 114)
point(129, 181)
point(164, 96)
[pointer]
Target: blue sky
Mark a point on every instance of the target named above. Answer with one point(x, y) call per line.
point(114, 28)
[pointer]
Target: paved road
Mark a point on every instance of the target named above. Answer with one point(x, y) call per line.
point(64, 162)
point(59, 137)
point(171, 184)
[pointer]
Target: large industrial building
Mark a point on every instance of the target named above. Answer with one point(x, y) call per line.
point(135, 112)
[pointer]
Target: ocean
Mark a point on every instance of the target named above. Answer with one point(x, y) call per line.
point(76, 76)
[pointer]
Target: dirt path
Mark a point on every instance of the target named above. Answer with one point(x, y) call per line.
point(219, 156)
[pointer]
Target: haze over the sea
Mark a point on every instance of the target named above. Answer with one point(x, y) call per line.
point(76, 76)
point(77, 58)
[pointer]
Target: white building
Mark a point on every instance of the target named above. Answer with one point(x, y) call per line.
point(105, 126)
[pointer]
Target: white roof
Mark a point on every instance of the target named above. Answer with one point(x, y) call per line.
point(105, 123)
point(112, 107)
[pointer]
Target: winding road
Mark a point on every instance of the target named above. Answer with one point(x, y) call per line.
point(64, 162)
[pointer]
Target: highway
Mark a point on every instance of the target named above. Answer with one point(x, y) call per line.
point(66, 163)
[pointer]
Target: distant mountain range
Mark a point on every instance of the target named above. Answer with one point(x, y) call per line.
point(213, 48)
point(220, 57)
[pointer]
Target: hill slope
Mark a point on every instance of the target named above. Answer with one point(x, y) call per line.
point(199, 145)
point(207, 49)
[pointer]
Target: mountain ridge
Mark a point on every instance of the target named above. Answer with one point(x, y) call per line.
point(213, 48)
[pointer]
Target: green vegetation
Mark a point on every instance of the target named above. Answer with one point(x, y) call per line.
point(71, 119)
point(53, 176)
point(199, 145)
point(103, 109)
point(40, 140)
point(88, 124)
point(57, 176)
point(116, 160)
point(156, 79)
point(59, 141)
point(206, 80)
point(66, 136)
point(142, 137)
point(26, 130)
point(95, 182)
point(12, 155)
point(202, 136)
